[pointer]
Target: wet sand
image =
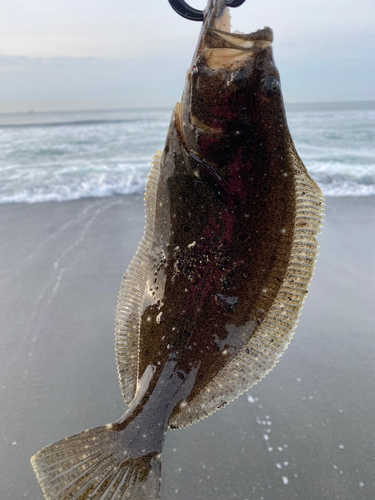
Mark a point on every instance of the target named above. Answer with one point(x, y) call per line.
point(305, 432)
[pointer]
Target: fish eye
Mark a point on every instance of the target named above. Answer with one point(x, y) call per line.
point(271, 85)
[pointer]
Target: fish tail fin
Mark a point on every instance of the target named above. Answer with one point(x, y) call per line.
point(93, 465)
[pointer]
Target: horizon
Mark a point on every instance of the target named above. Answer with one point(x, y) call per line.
point(77, 108)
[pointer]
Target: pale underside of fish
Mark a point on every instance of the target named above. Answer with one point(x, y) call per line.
point(212, 297)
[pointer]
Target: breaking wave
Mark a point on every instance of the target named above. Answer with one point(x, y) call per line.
point(71, 155)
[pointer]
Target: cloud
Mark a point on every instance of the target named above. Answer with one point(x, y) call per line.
point(130, 82)
point(76, 50)
point(118, 28)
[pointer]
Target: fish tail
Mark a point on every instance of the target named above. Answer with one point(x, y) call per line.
point(93, 465)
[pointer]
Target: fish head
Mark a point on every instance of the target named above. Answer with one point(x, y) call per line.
point(232, 93)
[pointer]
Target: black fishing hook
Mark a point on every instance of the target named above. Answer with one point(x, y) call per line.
point(184, 10)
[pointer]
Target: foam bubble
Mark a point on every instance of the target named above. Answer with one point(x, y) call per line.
point(67, 156)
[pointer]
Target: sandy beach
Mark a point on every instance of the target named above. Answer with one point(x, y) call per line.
point(305, 432)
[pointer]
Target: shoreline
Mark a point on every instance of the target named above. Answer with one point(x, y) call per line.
point(370, 197)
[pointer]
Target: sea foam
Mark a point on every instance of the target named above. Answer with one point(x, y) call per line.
point(72, 155)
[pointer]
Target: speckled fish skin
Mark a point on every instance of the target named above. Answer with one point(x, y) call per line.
point(212, 296)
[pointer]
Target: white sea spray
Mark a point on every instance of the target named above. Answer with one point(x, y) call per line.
point(72, 155)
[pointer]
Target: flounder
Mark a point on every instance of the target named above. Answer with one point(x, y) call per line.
point(211, 299)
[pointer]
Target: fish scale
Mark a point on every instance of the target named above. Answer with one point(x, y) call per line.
point(211, 299)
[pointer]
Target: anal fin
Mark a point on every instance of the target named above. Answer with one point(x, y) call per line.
point(128, 313)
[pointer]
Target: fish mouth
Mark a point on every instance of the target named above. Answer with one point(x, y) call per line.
point(227, 70)
point(222, 49)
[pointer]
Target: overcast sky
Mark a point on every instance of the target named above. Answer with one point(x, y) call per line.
point(106, 53)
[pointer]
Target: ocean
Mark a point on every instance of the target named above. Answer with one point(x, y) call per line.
point(59, 156)
point(305, 432)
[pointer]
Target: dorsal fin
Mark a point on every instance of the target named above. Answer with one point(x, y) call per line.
point(269, 341)
point(128, 312)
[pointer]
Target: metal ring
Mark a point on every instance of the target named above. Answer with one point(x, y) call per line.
point(234, 3)
point(184, 10)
